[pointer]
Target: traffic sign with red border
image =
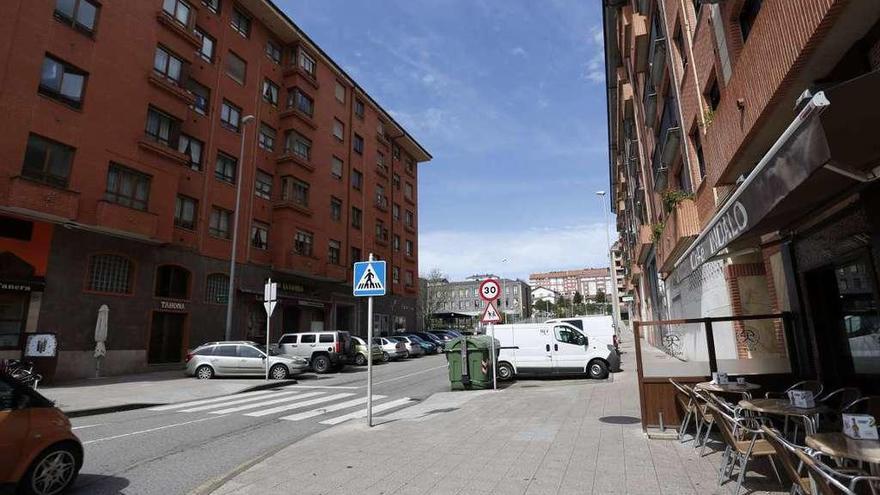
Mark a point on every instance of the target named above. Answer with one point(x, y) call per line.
point(490, 289)
point(490, 314)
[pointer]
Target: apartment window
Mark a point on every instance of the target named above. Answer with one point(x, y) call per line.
point(408, 191)
point(395, 274)
point(381, 231)
point(219, 224)
point(301, 101)
point(306, 62)
point(697, 143)
point(335, 209)
point(127, 187)
point(270, 92)
point(80, 14)
point(225, 168)
point(192, 148)
point(178, 10)
point(172, 281)
point(47, 161)
point(334, 252)
point(295, 190)
point(678, 39)
point(409, 278)
point(162, 128)
point(409, 248)
point(747, 16)
point(359, 108)
point(263, 185)
point(230, 116)
point(380, 160)
point(336, 167)
point(358, 144)
point(357, 179)
point(409, 219)
point(340, 92)
point(298, 144)
point(355, 254)
point(713, 94)
point(110, 273)
point(395, 242)
point(356, 217)
point(410, 165)
point(395, 212)
point(185, 209)
point(302, 242)
point(380, 129)
point(213, 5)
point(241, 23)
point(202, 94)
point(395, 181)
point(395, 152)
point(338, 129)
point(62, 81)
point(236, 68)
point(217, 288)
point(273, 51)
point(260, 235)
point(206, 51)
point(267, 137)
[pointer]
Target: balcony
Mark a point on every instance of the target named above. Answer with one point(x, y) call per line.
point(288, 156)
point(640, 34)
point(164, 151)
point(122, 218)
point(291, 204)
point(643, 244)
point(657, 52)
point(681, 228)
point(381, 202)
point(184, 32)
point(666, 146)
point(650, 103)
point(172, 88)
point(28, 194)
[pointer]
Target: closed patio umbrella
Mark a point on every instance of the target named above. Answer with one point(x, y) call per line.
point(101, 337)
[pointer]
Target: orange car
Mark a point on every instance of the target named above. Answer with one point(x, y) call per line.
point(39, 454)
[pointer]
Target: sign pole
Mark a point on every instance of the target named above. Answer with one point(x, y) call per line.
point(270, 297)
point(494, 375)
point(370, 358)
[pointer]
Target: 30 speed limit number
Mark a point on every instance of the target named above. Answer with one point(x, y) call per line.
point(490, 290)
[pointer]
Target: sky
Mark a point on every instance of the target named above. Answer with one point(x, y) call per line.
point(508, 96)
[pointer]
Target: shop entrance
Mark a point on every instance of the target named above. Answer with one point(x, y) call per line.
point(166, 338)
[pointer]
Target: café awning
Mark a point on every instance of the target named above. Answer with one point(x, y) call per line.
point(828, 148)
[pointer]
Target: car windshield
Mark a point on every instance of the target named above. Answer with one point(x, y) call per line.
point(417, 339)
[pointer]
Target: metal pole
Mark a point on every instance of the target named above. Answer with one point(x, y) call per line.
point(238, 181)
point(370, 358)
point(494, 375)
point(268, 317)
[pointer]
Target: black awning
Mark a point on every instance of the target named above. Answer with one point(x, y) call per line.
point(829, 147)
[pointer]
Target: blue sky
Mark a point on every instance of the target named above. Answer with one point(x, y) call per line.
point(508, 97)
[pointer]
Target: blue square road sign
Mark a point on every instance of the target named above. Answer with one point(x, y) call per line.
point(369, 278)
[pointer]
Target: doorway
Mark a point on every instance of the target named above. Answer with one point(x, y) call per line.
point(166, 338)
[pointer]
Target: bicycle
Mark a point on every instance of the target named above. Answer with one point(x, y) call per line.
point(23, 371)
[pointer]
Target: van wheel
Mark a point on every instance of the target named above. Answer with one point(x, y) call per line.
point(53, 471)
point(505, 371)
point(598, 370)
point(360, 360)
point(278, 372)
point(204, 372)
point(321, 364)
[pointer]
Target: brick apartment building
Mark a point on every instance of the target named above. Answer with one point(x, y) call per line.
point(126, 124)
point(587, 281)
point(743, 159)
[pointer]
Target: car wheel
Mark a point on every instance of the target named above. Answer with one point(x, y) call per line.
point(53, 471)
point(385, 357)
point(598, 370)
point(505, 371)
point(321, 364)
point(279, 372)
point(360, 360)
point(204, 372)
point(406, 355)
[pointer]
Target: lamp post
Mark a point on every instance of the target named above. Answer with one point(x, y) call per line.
point(612, 270)
point(238, 181)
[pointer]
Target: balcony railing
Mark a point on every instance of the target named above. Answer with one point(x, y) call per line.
point(657, 51)
point(666, 149)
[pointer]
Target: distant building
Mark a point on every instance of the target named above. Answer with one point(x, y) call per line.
point(463, 297)
point(588, 281)
point(544, 294)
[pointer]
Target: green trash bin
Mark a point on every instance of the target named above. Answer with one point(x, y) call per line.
point(479, 356)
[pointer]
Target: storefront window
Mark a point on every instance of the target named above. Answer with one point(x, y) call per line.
point(861, 319)
point(13, 306)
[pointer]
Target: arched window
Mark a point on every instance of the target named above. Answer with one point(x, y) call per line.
point(217, 288)
point(110, 273)
point(172, 281)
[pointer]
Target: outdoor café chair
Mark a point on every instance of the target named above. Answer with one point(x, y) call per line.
point(864, 405)
point(743, 444)
point(825, 480)
point(792, 466)
point(686, 402)
point(703, 415)
point(814, 386)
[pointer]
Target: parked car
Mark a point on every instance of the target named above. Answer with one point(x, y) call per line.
point(360, 349)
point(413, 349)
point(551, 349)
point(391, 349)
point(599, 329)
point(233, 358)
point(38, 451)
point(324, 351)
point(444, 335)
point(428, 346)
point(430, 337)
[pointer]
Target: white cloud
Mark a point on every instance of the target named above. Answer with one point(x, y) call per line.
point(461, 254)
point(594, 70)
point(518, 52)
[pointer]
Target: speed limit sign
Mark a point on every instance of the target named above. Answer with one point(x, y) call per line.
point(490, 290)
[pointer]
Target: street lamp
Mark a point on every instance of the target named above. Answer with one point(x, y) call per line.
point(230, 294)
point(612, 270)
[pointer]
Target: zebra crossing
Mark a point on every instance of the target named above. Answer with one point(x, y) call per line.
point(318, 404)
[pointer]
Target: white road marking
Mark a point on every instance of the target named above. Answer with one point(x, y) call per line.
point(86, 426)
point(340, 387)
point(170, 407)
point(255, 405)
point(362, 413)
point(334, 407)
point(151, 430)
point(409, 375)
point(298, 405)
point(234, 402)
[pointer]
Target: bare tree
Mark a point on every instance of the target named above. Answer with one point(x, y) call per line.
point(433, 296)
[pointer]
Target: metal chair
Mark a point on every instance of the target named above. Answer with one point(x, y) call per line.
point(825, 480)
point(685, 401)
point(792, 466)
point(814, 386)
point(703, 417)
point(864, 405)
point(743, 444)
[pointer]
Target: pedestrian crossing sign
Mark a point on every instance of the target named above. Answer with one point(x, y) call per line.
point(369, 278)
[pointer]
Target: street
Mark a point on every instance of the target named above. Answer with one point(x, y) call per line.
point(175, 449)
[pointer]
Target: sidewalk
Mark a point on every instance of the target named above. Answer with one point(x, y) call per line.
point(536, 437)
point(100, 395)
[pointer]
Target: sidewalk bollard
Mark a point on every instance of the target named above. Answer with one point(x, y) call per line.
point(662, 426)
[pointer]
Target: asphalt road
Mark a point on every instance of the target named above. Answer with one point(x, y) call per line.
point(179, 448)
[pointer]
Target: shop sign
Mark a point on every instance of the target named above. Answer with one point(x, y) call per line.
point(15, 287)
point(172, 305)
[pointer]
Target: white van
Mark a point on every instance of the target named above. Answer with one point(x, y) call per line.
point(551, 349)
point(599, 329)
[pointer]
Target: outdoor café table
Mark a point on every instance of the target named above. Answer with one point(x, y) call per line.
point(729, 388)
point(782, 407)
point(839, 445)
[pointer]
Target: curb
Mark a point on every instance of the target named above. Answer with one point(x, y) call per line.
point(213, 485)
point(79, 413)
